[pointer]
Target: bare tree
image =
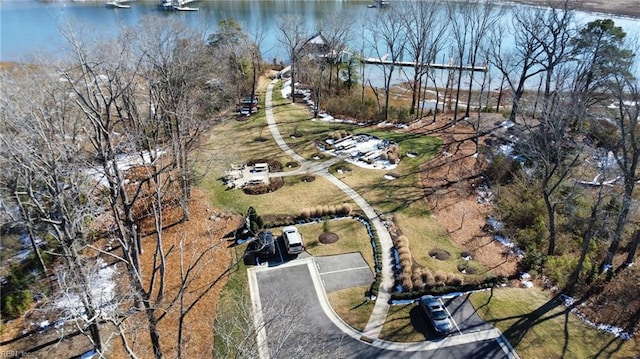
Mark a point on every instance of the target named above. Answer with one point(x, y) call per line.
point(41, 141)
point(388, 35)
point(626, 92)
point(176, 67)
point(477, 21)
point(337, 29)
point(293, 36)
point(521, 62)
point(424, 37)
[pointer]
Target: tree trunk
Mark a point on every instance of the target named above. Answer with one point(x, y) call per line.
point(552, 223)
point(622, 221)
point(517, 96)
point(586, 240)
point(632, 249)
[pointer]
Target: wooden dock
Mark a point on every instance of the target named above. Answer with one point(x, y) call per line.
point(450, 66)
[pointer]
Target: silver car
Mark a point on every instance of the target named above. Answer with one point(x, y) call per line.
point(435, 312)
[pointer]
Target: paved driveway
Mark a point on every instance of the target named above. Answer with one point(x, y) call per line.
point(344, 271)
point(299, 323)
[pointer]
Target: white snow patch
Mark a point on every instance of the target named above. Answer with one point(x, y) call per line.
point(124, 162)
point(612, 329)
point(102, 288)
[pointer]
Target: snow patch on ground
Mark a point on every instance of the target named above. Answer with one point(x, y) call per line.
point(102, 288)
point(124, 162)
point(612, 329)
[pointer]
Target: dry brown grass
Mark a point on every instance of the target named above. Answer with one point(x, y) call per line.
point(449, 181)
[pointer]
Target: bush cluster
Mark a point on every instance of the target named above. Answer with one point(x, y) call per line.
point(392, 154)
point(415, 278)
point(343, 209)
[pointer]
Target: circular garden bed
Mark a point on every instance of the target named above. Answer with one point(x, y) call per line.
point(328, 238)
point(439, 254)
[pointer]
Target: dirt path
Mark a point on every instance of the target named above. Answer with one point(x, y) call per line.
point(450, 181)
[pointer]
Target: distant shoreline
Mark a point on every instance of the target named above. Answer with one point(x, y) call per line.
point(628, 8)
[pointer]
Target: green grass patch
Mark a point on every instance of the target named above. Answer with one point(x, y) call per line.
point(404, 323)
point(352, 306)
point(540, 327)
point(353, 238)
point(290, 199)
point(233, 315)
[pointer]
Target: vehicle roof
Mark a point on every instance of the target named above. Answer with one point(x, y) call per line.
point(292, 234)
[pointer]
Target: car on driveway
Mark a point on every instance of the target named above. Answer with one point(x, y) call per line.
point(292, 240)
point(266, 245)
point(435, 312)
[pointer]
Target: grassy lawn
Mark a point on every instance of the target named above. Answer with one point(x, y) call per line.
point(539, 327)
point(290, 199)
point(352, 306)
point(404, 324)
point(353, 238)
point(233, 316)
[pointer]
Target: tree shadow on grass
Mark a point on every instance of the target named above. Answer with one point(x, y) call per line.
point(525, 322)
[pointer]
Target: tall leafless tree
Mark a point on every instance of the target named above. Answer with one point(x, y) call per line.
point(424, 28)
point(293, 35)
point(388, 36)
point(338, 30)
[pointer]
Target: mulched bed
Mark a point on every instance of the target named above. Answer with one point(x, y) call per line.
point(328, 238)
point(308, 178)
point(292, 164)
point(439, 254)
point(462, 268)
point(275, 183)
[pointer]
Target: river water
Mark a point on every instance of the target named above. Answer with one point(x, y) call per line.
point(30, 26)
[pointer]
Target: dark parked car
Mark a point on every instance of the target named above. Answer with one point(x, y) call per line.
point(266, 245)
point(433, 309)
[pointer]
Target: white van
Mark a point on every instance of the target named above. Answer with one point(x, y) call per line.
point(292, 240)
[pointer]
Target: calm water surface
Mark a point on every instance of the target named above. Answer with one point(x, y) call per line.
point(30, 26)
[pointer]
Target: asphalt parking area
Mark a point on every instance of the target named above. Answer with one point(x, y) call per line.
point(343, 271)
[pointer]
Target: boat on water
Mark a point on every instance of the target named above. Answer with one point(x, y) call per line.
point(379, 4)
point(177, 5)
point(117, 4)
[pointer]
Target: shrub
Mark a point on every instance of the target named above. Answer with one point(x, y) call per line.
point(502, 169)
point(313, 212)
point(404, 251)
point(405, 256)
point(305, 213)
point(440, 278)
point(402, 241)
point(324, 210)
point(416, 277)
point(532, 260)
point(16, 302)
point(454, 280)
point(345, 209)
point(556, 269)
point(407, 284)
point(406, 264)
point(427, 277)
point(332, 210)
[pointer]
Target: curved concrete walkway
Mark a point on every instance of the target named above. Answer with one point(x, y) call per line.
point(381, 308)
